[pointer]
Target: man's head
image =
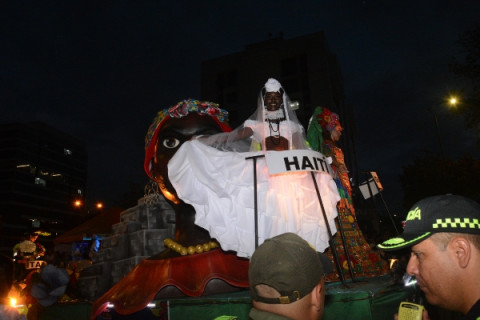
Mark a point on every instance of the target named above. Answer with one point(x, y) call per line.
point(33, 236)
point(286, 272)
point(444, 234)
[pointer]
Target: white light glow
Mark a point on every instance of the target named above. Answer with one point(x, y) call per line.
point(411, 283)
point(392, 262)
point(111, 305)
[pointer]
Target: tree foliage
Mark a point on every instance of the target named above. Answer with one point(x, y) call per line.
point(433, 175)
point(466, 67)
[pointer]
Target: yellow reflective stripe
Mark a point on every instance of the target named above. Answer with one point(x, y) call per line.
point(463, 223)
point(400, 242)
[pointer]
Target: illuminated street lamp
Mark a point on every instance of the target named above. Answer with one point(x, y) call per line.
point(452, 101)
point(78, 203)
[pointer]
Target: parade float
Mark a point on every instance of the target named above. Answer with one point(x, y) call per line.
point(183, 252)
point(232, 189)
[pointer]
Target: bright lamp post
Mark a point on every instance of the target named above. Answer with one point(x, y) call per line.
point(79, 204)
point(452, 101)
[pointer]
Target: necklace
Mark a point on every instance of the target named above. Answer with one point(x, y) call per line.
point(276, 133)
point(199, 248)
point(271, 127)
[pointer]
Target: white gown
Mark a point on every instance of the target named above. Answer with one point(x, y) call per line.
point(220, 186)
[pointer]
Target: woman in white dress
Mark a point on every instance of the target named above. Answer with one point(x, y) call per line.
point(215, 174)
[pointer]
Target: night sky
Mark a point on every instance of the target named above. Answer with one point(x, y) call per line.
point(100, 70)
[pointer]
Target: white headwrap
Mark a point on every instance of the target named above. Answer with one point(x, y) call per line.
point(272, 85)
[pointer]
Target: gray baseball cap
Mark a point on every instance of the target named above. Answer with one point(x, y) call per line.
point(288, 264)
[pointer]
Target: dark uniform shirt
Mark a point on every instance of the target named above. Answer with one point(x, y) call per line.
point(474, 313)
point(256, 314)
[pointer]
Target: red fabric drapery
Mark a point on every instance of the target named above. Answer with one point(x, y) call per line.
point(190, 274)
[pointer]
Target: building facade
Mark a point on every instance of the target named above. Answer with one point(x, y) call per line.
point(42, 173)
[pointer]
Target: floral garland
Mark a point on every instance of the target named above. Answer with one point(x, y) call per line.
point(28, 247)
point(182, 109)
point(275, 115)
point(328, 120)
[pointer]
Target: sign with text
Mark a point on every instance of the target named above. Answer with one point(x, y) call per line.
point(297, 160)
point(35, 264)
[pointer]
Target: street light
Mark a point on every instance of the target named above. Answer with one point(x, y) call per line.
point(452, 101)
point(80, 205)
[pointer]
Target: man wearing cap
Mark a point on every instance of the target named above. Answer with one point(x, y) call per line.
point(286, 277)
point(444, 234)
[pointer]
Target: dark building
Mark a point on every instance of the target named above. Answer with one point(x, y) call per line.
point(42, 172)
point(307, 69)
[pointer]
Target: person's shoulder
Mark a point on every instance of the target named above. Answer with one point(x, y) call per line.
point(256, 314)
